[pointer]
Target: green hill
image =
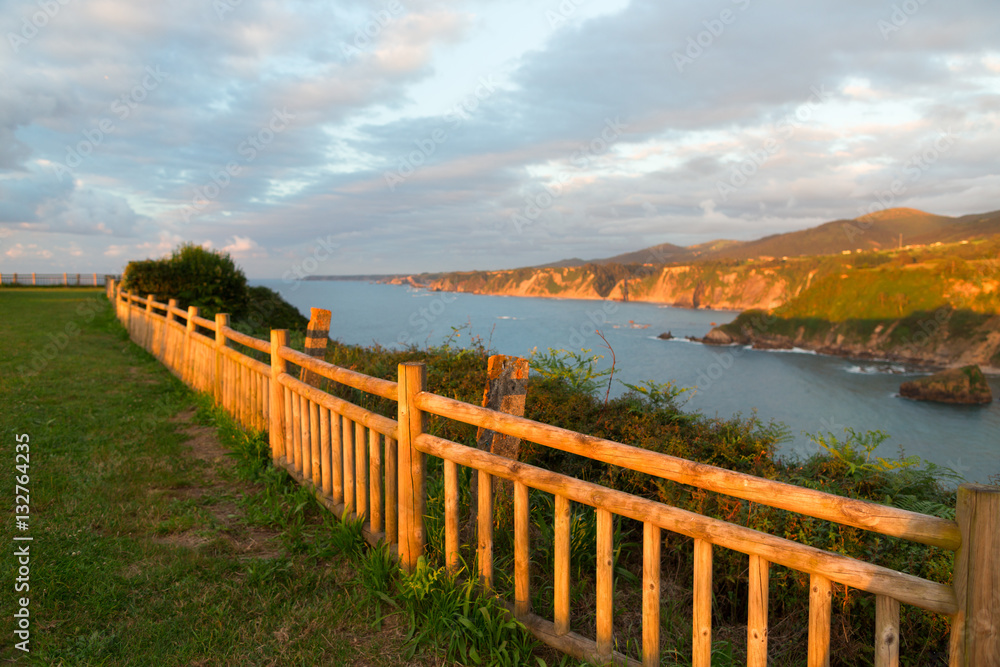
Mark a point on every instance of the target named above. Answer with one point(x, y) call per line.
point(882, 230)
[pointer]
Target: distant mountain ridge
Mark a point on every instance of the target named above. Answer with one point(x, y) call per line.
point(882, 230)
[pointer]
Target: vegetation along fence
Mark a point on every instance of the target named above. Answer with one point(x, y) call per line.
point(65, 279)
point(369, 466)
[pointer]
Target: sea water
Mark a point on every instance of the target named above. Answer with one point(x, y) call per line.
point(809, 393)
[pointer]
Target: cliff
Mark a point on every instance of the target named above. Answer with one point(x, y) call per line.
point(724, 285)
point(936, 310)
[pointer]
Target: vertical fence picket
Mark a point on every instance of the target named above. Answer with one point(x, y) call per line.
point(221, 321)
point(374, 481)
point(326, 458)
point(757, 612)
point(336, 458)
point(289, 425)
point(820, 603)
point(560, 566)
point(314, 438)
point(886, 631)
point(484, 529)
point(350, 504)
point(522, 562)
point(360, 470)
point(391, 497)
point(189, 350)
point(296, 458)
point(451, 516)
point(701, 652)
point(650, 595)
point(305, 450)
point(605, 583)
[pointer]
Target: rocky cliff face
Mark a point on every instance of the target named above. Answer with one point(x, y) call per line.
point(732, 287)
point(941, 338)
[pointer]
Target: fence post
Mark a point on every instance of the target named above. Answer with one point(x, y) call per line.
point(317, 333)
point(412, 381)
point(150, 330)
point(221, 320)
point(975, 629)
point(128, 312)
point(166, 335)
point(65, 280)
point(279, 338)
point(506, 388)
point(188, 344)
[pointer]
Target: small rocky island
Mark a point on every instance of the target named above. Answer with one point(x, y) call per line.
point(966, 385)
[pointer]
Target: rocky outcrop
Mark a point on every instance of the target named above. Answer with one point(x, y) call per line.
point(965, 385)
point(719, 337)
point(942, 338)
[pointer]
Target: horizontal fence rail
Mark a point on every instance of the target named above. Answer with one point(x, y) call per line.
point(368, 466)
point(64, 279)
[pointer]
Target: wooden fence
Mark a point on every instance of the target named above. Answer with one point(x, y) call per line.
point(366, 465)
point(65, 279)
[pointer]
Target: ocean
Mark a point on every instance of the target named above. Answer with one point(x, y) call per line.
point(808, 393)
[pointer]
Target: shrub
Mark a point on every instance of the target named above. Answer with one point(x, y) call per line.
point(210, 280)
point(194, 276)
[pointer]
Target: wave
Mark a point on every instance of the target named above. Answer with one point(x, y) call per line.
point(675, 339)
point(794, 350)
point(877, 369)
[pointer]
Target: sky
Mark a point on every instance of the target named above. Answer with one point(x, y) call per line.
point(350, 137)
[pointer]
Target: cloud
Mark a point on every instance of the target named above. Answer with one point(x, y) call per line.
point(382, 87)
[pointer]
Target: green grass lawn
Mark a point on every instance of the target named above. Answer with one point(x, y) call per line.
point(151, 545)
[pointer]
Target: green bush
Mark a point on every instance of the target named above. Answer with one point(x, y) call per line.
point(211, 281)
point(194, 276)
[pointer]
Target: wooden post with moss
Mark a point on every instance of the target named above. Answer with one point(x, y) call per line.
point(412, 483)
point(505, 391)
point(317, 333)
point(975, 630)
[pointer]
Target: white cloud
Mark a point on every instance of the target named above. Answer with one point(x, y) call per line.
point(202, 135)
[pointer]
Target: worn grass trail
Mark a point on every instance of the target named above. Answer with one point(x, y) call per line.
point(150, 545)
